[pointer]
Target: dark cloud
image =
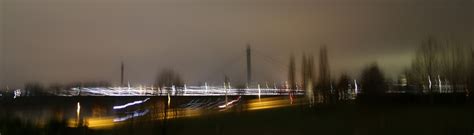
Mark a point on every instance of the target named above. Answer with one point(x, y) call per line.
point(76, 40)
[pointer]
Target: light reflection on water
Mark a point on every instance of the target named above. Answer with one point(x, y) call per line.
point(99, 115)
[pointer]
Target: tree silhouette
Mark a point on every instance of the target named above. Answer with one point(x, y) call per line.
point(36, 89)
point(309, 79)
point(291, 74)
point(373, 81)
point(343, 86)
point(304, 71)
point(324, 83)
point(56, 88)
point(470, 88)
point(169, 78)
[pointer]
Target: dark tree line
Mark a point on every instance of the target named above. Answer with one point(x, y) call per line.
point(328, 90)
point(447, 61)
point(168, 79)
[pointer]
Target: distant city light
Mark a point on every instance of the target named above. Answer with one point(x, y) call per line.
point(429, 81)
point(169, 99)
point(78, 108)
point(259, 92)
point(356, 87)
point(440, 84)
point(17, 93)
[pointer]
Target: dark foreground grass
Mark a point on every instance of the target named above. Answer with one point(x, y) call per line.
point(336, 119)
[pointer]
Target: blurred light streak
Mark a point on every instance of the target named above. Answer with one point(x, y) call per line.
point(135, 114)
point(429, 80)
point(177, 113)
point(206, 87)
point(93, 123)
point(230, 103)
point(130, 104)
point(169, 99)
point(78, 111)
point(100, 123)
point(259, 92)
point(17, 93)
point(190, 91)
point(268, 103)
point(440, 84)
point(356, 87)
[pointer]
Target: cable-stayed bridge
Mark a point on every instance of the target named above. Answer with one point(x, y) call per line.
point(192, 90)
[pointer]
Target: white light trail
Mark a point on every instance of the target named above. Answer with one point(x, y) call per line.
point(190, 91)
point(78, 111)
point(429, 80)
point(206, 87)
point(259, 91)
point(130, 104)
point(440, 84)
point(135, 114)
point(356, 87)
point(229, 103)
point(169, 99)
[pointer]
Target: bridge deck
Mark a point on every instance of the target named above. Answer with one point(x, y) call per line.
point(126, 91)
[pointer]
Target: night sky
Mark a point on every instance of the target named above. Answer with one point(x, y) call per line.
point(85, 40)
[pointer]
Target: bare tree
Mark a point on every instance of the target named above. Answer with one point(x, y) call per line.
point(439, 62)
point(455, 64)
point(324, 83)
point(308, 72)
point(424, 65)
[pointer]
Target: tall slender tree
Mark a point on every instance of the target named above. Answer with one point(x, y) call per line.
point(324, 83)
point(304, 73)
point(308, 77)
point(471, 76)
point(291, 74)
